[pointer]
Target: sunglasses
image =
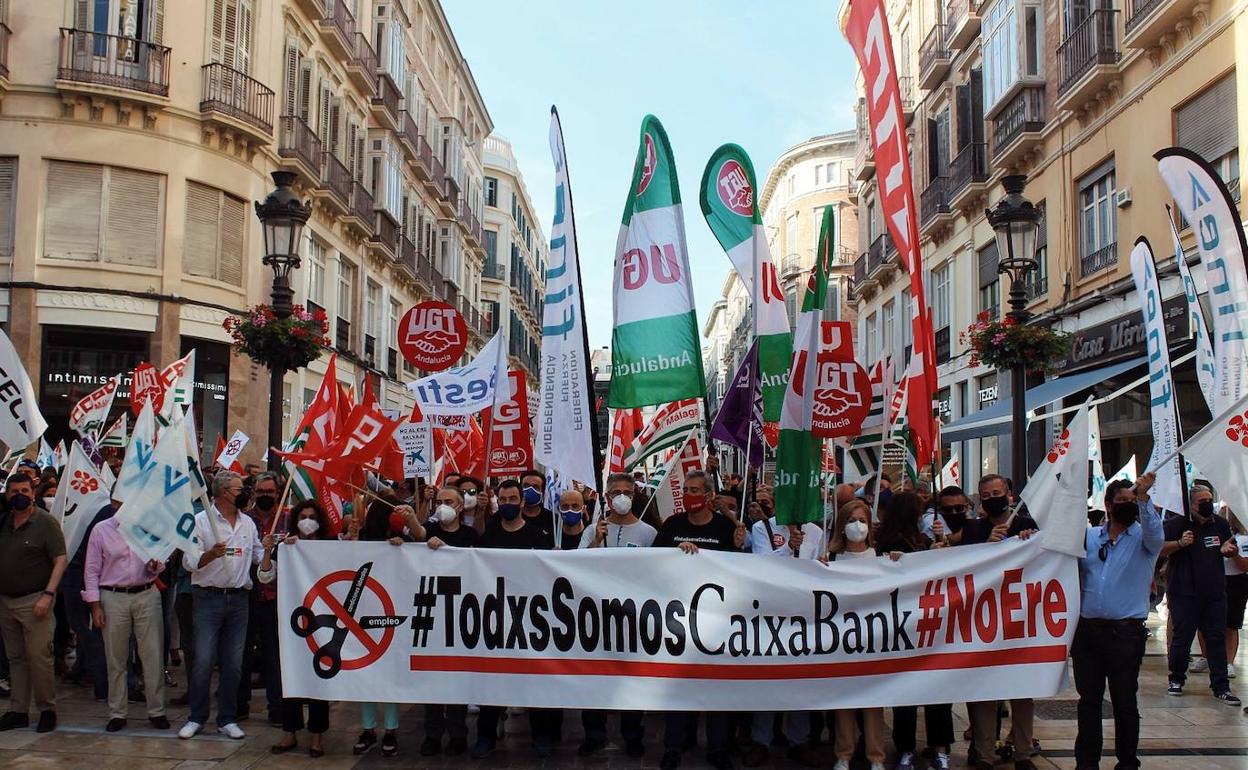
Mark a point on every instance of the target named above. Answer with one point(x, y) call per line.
point(1103, 551)
point(954, 508)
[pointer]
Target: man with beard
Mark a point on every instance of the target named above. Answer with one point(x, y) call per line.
point(944, 521)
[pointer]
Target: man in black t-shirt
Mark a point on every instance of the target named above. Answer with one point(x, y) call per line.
point(1196, 590)
point(532, 494)
point(697, 528)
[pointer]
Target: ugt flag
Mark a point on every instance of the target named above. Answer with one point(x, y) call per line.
point(82, 493)
point(656, 351)
point(1220, 450)
point(730, 205)
point(1056, 493)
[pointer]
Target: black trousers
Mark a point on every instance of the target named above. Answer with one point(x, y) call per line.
point(292, 715)
point(446, 720)
point(261, 654)
point(1108, 651)
point(594, 723)
point(937, 721)
point(1207, 615)
point(544, 724)
point(679, 726)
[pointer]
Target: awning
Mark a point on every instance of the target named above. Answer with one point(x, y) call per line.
point(995, 420)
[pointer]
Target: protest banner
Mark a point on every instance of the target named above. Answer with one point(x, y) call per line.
point(621, 628)
point(507, 425)
point(416, 442)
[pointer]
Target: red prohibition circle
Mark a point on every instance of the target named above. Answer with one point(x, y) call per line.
point(432, 335)
point(376, 647)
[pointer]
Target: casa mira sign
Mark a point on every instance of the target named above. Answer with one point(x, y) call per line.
point(1123, 337)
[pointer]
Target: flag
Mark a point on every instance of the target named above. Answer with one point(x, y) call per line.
point(316, 429)
point(1206, 366)
point(464, 389)
point(360, 440)
point(1205, 202)
point(139, 455)
point(1126, 473)
point(669, 483)
point(194, 469)
point(867, 31)
point(625, 425)
point(656, 351)
point(741, 411)
point(227, 453)
point(46, 457)
point(178, 380)
point(864, 451)
point(1220, 450)
point(465, 451)
point(1096, 500)
point(115, 436)
point(951, 474)
point(671, 427)
point(798, 463)
point(899, 433)
point(730, 204)
point(509, 442)
point(566, 425)
point(1056, 493)
point(82, 493)
point(21, 422)
point(158, 517)
point(1167, 491)
point(89, 414)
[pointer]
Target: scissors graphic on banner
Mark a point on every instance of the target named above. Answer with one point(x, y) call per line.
point(327, 658)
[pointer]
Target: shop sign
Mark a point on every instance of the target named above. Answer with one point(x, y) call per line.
point(1123, 337)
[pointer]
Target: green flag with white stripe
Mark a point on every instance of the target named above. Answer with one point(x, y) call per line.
point(656, 353)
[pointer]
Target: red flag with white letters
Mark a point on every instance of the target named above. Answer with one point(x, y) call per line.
point(510, 438)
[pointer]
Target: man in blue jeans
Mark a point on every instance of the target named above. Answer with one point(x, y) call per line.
point(221, 582)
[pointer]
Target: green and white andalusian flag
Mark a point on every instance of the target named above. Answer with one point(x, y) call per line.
point(798, 453)
point(656, 353)
point(730, 204)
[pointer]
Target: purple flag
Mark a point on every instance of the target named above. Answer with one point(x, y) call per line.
point(742, 411)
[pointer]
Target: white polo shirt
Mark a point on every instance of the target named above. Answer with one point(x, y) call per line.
point(243, 548)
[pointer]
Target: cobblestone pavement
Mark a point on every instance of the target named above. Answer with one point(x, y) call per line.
point(1193, 731)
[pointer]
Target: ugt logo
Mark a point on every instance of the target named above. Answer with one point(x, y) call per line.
point(648, 162)
point(432, 329)
point(734, 188)
point(1237, 429)
point(1060, 447)
point(337, 629)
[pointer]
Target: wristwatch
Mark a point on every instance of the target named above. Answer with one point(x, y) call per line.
point(46, 592)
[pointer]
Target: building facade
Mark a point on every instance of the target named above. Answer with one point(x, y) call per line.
point(513, 279)
point(137, 136)
point(1078, 97)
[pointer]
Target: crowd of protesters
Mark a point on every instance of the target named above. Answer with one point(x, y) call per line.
point(131, 623)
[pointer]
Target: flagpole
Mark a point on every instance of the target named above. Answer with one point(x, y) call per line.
point(282, 503)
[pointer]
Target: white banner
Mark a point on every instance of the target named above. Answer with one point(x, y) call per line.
point(670, 427)
point(564, 440)
point(21, 422)
point(464, 389)
point(416, 443)
point(1205, 366)
point(1167, 491)
point(657, 629)
point(138, 459)
point(80, 496)
point(1205, 202)
point(158, 516)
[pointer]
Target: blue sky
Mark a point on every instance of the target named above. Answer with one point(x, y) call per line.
point(763, 75)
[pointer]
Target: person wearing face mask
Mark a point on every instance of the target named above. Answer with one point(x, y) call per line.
point(511, 529)
point(476, 503)
point(447, 525)
point(944, 521)
point(261, 648)
point(998, 521)
point(1115, 574)
point(572, 514)
point(306, 521)
point(32, 563)
point(221, 581)
point(533, 491)
point(1196, 590)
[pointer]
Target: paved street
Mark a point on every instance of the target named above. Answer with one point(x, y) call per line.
point(1189, 732)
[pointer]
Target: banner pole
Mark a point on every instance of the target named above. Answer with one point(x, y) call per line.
point(282, 503)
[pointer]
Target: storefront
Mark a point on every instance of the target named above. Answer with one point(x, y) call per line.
point(211, 400)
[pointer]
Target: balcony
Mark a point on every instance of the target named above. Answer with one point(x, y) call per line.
point(864, 157)
point(468, 220)
point(472, 317)
point(386, 103)
point(1101, 259)
point(385, 240)
point(941, 345)
point(1149, 22)
point(437, 178)
point(424, 160)
point(335, 186)
point(934, 59)
point(96, 64)
point(407, 255)
point(1017, 127)
point(1036, 287)
point(791, 266)
point(409, 136)
point(968, 175)
point(1088, 59)
point(362, 66)
point(5, 34)
point(315, 9)
point(237, 102)
point(494, 271)
point(450, 292)
point(962, 20)
point(934, 204)
point(448, 196)
point(905, 84)
point(360, 215)
point(338, 28)
point(300, 149)
point(342, 335)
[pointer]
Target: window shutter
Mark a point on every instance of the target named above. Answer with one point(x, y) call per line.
point(933, 156)
point(72, 215)
point(323, 114)
point(132, 234)
point(963, 100)
point(199, 245)
point(305, 88)
point(8, 195)
point(229, 34)
point(988, 264)
point(82, 15)
point(157, 33)
point(1207, 124)
point(246, 16)
point(977, 105)
point(217, 44)
point(352, 131)
point(290, 98)
point(230, 256)
point(335, 120)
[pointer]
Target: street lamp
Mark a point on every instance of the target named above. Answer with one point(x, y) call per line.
point(282, 217)
point(1017, 224)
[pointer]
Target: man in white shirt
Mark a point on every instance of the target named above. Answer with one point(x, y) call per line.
point(221, 581)
point(769, 538)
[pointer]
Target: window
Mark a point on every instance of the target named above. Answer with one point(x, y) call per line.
point(906, 326)
point(128, 18)
point(942, 288)
point(1012, 51)
point(491, 246)
point(316, 273)
point(231, 30)
point(888, 325)
point(372, 309)
point(989, 281)
point(872, 225)
point(818, 173)
point(346, 289)
point(790, 306)
point(8, 201)
point(832, 303)
point(213, 240)
point(938, 145)
point(491, 192)
point(872, 345)
point(790, 235)
point(1208, 126)
point(1038, 279)
point(297, 93)
point(1098, 226)
point(102, 212)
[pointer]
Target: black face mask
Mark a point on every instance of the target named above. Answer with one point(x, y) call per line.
point(1205, 509)
point(995, 506)
point(243, 498)
point(266, 502)
point(19, 502)
point(1125, 513)
point(954, 520)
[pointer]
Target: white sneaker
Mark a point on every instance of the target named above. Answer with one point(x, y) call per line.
point(941, 762)
point(232, 731)
point(841, 765)
point(190, 730)
point(877, 766)
point(905, 762)
point(1230, 670)
point(1199, 666)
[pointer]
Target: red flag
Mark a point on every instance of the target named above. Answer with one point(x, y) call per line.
point(358, 443)
point(625, 425)
point(321, 417)
point(465, 450)
point(511, 441)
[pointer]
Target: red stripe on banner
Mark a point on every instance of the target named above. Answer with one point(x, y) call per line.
point(936, 661)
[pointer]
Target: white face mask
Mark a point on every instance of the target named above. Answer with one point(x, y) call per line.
point(470, 500)
point(469, 520)
point(856, 531)
point(446, 514)
point(308, 527)
point(622, 504)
